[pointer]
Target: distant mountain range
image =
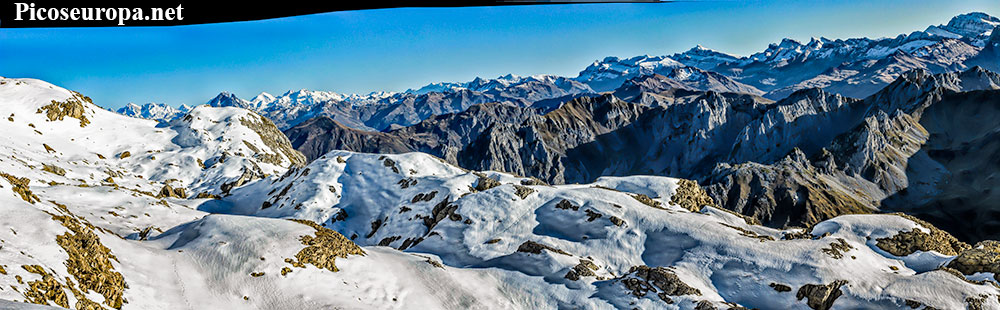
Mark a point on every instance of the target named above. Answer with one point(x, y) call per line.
point(853, 67)
point(830, 94)
point(837, 174)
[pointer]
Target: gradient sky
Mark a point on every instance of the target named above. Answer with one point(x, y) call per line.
point(397, 49)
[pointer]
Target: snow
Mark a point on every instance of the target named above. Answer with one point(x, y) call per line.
point(706, 253)
point(431, 238)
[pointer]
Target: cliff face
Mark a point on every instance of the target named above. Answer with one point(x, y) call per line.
point(795, 162)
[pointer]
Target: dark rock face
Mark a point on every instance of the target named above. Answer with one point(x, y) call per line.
point(909, 150)
point(642, 280)
point(819, 296)
point(907, 242)
point(794, 196)
point(984, 257)
point(956, 163)
point(320, 135)
point(915, 146)
point(442, 135)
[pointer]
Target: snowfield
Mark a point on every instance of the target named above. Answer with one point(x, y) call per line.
point(215, 210)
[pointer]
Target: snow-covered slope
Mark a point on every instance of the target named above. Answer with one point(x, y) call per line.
point(87, 226)
point(601, 245)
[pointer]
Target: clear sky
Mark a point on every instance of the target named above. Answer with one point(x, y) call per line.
point(397, 49)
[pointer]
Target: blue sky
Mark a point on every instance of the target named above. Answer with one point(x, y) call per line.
point(396, 49)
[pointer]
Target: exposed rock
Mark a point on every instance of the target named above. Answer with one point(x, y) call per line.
point(324, 248)
point(907, 242)
point(442, 210)
point(523, 191)
point(566, 205)
point(781, 288)
point(275, 140)
point(976, 302)
point(169, 191)
point(585, 268)
point(73, 107)
point(54, 170)
point(423, 197)
point(749, 233)
point(204, 195)
point(319, 135)
point(44, 290)
point(691, 196)
point(662, 281)
point(592, 215)
point(410, 242)
point(795, 195)
point(486, 183)
point(376, 224)
point(20, 187)
point(705, 305)
point(617, 221)
point(533, 181)
point(837, 248)
point(820, 297)
point(247, 176)
point(984, 257)
point(388, 241)
point(647, 201)
point(90, 261)
point(403, 183)
point(536, 248)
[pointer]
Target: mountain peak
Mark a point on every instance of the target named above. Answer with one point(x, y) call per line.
point(972, 17)
point(704, 51)
point(227, 99)
point(264, 96)
point(995, 35)
point(789, 43)
point(969, 25)
point(152, 110)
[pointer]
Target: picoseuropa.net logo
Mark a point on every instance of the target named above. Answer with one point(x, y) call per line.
point(30, 12)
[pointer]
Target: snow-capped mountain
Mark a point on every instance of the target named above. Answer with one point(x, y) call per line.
point(485, 85)
point(702, 57)
point(262, 99)
point(153, 111)
point(608, 73)
point(722, 133)
point(216, 210)
point(973, 25)
point(382, 110)
point(853, 67)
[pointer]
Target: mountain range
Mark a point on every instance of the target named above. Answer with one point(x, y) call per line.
point(856, 68)
point(837, 174)
point(215, 209)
